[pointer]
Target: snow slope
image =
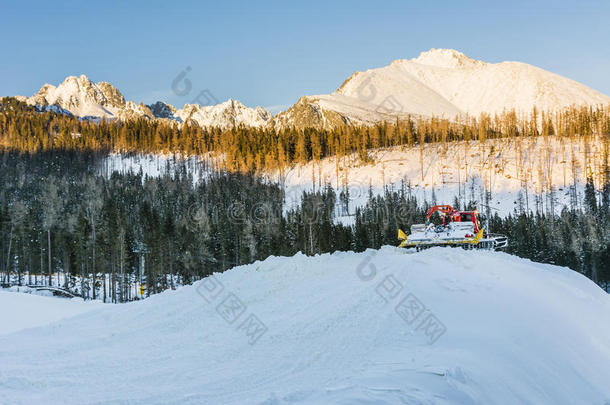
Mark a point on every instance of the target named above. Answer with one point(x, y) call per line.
point(514, 170)
point(476, 86)
point(443, 83)
point(495, 329)
point(21, 311)
point(520, 173)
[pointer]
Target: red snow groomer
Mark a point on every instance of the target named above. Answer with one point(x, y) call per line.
point(457, 228)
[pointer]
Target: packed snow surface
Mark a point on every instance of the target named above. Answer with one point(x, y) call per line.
point(440, 326)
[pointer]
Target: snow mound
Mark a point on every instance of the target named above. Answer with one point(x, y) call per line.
point(441, 326)
point(22, 310)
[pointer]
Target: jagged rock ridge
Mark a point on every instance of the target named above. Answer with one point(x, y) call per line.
point(83, 98)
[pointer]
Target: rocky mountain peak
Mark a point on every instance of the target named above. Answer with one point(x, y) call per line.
point(447, 58)
point(162, 110)
point(113, 96)
point(81, 97)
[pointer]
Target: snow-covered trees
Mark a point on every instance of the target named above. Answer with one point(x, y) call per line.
point(89, 232)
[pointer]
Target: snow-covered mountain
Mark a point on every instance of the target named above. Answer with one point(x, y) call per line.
point(440, 82)
point(84, 98)
point(228, 114)
point(442, 326)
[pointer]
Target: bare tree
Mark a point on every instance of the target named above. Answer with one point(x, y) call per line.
point(17, 211)
point(93, 206)
point(51, 212)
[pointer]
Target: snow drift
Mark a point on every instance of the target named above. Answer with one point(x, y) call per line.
point(440, 326)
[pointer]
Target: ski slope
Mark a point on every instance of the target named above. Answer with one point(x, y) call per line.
point(340, 328)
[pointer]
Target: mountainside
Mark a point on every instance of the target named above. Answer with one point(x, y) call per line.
point(522, 174)
point(442, 326)
point(444, 83)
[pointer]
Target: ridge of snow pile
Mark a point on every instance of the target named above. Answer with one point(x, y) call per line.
point(21, 310)
point(516, 332)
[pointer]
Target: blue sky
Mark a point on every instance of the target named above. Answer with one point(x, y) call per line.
point(270, 53)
